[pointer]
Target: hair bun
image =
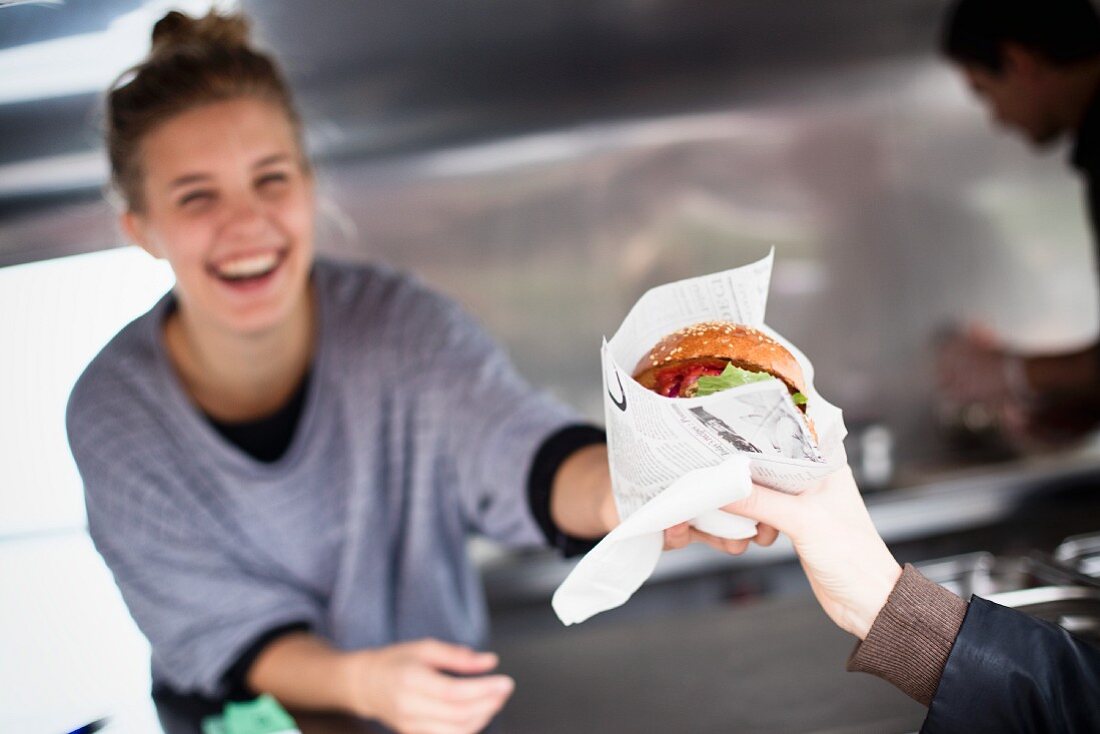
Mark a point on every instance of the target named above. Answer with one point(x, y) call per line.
point(179, 29)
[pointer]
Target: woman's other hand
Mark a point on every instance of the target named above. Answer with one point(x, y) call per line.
point(416, 688)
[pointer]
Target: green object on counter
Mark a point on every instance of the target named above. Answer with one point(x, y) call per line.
point(213, 725)
point(262, 715)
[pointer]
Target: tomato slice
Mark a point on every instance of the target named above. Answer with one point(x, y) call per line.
point(675, 381)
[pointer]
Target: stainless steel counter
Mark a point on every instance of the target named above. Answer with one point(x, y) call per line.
point(775, 666)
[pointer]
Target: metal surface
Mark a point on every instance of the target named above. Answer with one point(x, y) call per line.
point(773, 666)
point(547, 162)
point(1035, 583)
point(1082, 553)
point(1047, 567)
point(1075, 608)
point(1043, 595)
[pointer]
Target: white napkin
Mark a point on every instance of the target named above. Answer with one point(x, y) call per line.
point(612, 571)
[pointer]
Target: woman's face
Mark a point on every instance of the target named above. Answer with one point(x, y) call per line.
point(229, 204)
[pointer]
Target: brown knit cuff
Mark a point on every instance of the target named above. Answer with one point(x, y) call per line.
point(908, 644)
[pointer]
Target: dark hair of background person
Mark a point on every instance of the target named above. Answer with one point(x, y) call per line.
point(1062, 31)
point(193, 62)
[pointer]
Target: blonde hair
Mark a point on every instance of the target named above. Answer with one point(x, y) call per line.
point(193, 62)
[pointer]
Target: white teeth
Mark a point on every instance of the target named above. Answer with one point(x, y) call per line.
point(248, 267)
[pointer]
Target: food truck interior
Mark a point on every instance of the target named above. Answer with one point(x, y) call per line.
point(545, 162)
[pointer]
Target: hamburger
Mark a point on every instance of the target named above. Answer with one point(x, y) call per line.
point(712, 356)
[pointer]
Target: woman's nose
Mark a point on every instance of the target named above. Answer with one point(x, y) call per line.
point(246, 216)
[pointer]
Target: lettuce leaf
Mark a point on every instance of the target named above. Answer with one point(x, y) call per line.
point(735, 377)
point(730, 377)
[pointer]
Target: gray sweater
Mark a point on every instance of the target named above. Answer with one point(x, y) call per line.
point(416, 432)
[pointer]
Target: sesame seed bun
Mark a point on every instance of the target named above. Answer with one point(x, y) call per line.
point(744, 346)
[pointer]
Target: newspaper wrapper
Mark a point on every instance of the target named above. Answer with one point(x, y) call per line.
point(681, 459)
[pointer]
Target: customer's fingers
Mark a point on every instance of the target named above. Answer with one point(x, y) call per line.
point(770, 507)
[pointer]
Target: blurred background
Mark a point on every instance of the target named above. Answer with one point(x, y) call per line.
point(545, 162)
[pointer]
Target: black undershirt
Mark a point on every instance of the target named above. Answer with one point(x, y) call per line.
point(267, 440)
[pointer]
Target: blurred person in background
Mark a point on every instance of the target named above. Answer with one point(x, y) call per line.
point(283, 459)
point(979, 667)
point(1035, 64)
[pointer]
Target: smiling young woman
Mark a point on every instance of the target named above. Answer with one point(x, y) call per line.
point(284, 504)
point(282, 459)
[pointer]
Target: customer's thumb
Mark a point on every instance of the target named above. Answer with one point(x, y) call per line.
point(770, 507)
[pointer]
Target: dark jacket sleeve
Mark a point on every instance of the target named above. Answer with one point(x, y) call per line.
point(1009, 672)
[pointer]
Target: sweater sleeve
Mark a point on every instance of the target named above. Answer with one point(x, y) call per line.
point(911, 639)
point(495, 423)
point(551, 455)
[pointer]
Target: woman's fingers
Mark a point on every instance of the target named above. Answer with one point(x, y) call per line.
point(677, 536)
point(460, 690)
point(765, 535)
point(683, 534)
point(462, 704)
point(454, 658)
point(733, 547)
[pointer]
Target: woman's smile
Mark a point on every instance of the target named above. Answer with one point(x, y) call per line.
point(249, 270)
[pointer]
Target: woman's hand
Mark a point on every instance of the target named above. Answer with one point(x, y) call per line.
point(410, 687)
point(679, 536)
point(850, 569)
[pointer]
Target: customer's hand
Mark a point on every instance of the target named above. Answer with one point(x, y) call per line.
point(409, 687)
point(850, 569)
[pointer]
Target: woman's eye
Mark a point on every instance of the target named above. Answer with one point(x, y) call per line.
point(271, 179)
point(196, 198)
